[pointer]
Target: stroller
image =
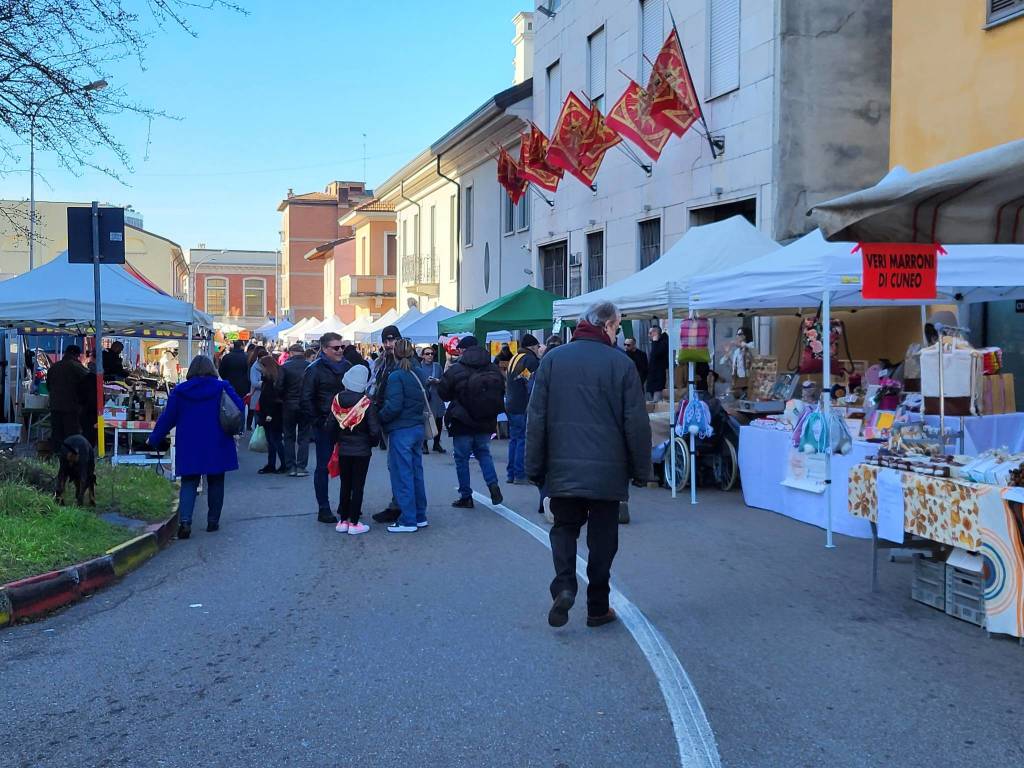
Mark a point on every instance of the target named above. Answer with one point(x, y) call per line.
point(717, 456)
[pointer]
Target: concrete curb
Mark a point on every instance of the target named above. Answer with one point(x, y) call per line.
point(39, 595)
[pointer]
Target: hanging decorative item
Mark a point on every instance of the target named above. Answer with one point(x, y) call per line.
point(631, 117)
point(510, 177)
point(533, 164)
point(673, 100)
point(696, 419)
point(580, 140)
point(694, 333)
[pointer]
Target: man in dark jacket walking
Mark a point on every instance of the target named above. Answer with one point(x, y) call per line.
point(475, 391)
point(296, 428)
point(234, 368)
point(517, 396)
point(639, 358)
point(64, 381)
point(587, 436)
point(321, 382)
point(382, 368)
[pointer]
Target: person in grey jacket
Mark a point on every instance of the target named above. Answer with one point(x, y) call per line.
point(587, 436)
point(297, 428)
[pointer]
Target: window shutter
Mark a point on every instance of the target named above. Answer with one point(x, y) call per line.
point(724, 47)
point(652, 35)
point(1000, 9)
point(554, 95)
point(598, 57)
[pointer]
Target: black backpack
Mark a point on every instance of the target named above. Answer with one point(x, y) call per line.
point(484, 394)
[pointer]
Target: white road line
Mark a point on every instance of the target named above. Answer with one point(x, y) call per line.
point(694, 737)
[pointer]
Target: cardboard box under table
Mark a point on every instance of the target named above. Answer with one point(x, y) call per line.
point(985, 519)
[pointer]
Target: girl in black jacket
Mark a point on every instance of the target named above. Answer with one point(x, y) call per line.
point(270, 415)
point(358, 432)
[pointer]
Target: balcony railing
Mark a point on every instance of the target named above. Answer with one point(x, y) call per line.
point(419, 270)
point(369, 286)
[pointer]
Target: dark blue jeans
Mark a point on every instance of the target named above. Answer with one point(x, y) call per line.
point(405, 466)
point(324, 448)
point(274, 431)
point(479, 446)
point(516, 447)
point(214, 498)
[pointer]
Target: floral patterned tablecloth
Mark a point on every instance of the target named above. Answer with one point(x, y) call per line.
point(976, 517)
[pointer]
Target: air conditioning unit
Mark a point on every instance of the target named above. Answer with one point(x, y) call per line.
point(576, 259)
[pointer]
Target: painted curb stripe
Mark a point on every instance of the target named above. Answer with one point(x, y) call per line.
point(130, 555)
point(6, 616)
point(694, 737)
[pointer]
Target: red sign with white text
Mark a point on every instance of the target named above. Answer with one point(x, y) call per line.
point(900, 270)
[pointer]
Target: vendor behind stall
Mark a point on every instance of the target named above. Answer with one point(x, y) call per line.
point(740, 359)
point(113, 366)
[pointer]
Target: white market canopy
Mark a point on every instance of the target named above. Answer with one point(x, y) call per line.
point(275, 330)
point(797, 276)
point(666, 282)
point(401, 323)
point(365, 334)
point(330, 324)
point(59, 295)
point(974, 199)
point(294, 333)
point(424, 329)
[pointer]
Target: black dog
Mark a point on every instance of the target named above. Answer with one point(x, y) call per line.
point(77, 464)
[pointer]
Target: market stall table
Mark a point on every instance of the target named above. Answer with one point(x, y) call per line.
point(973, 516)
point(125, 427)
point(983, 433)
point(764, 458)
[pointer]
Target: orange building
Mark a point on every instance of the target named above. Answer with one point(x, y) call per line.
point(368, 282)
point(308, 222)
point(236, 287)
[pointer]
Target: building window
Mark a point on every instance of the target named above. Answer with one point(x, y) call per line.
point(595, 261)
point(405, 238)
point(652, 35)
point(554, 85)
point(453, 236)
point(364, 264)
point(467, 217)
point(650, 241)
point(710, 214)
point(723, 47)
point(523, 212)
point(391, 253)
point(216, 296)
point(416, 234)
point(596, 59)
point(433, 232)
point(552, 259)
point(508, 214)
point(575, 274)
point(255, 295)
point(1003, 10)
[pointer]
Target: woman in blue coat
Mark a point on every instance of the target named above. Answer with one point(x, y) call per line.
point(201, 446)
point(401, 417)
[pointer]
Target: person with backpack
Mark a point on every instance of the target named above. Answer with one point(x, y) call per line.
point(475, 391)
point(520, 383)
point(358, 431)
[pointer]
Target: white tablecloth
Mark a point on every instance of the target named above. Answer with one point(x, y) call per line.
point(764, 457)
point(985, 432)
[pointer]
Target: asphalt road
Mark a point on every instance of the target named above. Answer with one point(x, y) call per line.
point(278, 642)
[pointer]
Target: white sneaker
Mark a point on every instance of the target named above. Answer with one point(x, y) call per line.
point(399, 528)
point(424, 524)
point(342, 527)
point(354, 529)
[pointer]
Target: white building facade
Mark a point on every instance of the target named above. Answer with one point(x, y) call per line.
point(778, 155)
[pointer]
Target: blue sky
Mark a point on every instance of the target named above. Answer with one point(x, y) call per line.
point(280, 98)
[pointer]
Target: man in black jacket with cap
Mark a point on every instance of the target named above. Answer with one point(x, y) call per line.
point(587, 436)
point(382, 368)
point(517, 396)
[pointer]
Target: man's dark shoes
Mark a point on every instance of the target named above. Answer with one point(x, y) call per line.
point(184, 531)
point(439, 449)
point(600, 621)
point(268, 470)
point(558, 616)
point(326, 516)
point(496, 497)
point(388, 515)
point(463, 503)
point(212, 527)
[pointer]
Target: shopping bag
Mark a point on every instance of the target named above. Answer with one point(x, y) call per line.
point(334, 464)
point(693, 340)
point(258, 441)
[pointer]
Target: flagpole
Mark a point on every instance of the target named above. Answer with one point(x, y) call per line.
point(536, 191)
point(682, 50)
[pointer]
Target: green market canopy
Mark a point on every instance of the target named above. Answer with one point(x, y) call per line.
point(527, 309)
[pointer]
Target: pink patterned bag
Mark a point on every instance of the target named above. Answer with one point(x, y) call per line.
point(694, 333)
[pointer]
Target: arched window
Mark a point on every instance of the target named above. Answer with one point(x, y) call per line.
point(255, 289)
point(216, 296)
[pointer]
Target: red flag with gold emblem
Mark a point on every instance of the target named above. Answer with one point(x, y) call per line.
point(533, 164)
point(631, 117)
point(673, 100)
point(509, 176)
point(600, 138)
point(571, 139)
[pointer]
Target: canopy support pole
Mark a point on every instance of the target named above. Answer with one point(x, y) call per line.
point(692, 392)
point(188, 348)
point(671, 402)
point(826, 408)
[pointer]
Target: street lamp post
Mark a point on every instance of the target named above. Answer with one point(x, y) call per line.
point(97, 85)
